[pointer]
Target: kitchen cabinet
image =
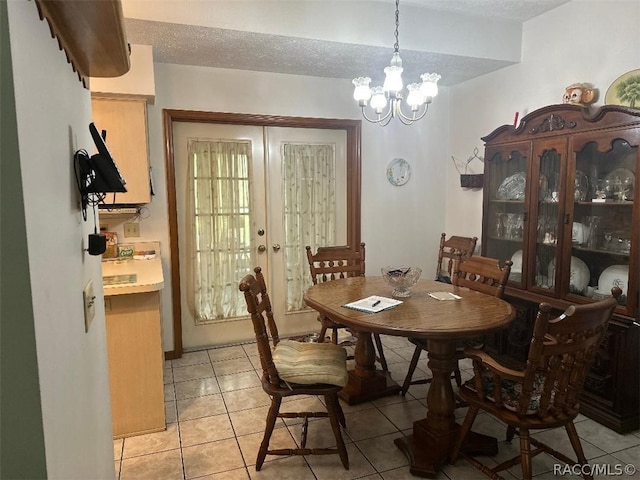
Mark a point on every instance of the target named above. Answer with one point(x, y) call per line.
point(559, 201)
point(134, 342)
point(125, 121)
point(135, 363)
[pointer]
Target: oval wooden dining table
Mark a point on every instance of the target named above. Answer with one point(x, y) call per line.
point(441, 322)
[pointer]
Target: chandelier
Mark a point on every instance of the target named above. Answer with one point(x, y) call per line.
point(389, 96)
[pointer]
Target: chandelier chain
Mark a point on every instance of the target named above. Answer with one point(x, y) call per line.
point(396, 46)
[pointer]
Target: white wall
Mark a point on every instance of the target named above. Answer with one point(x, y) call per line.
point(399, 224)
point(53, 115)
point(592, 41)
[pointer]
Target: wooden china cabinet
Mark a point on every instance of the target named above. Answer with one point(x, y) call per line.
point(559, 201)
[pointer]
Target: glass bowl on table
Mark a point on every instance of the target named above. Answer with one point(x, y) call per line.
point(401, 278)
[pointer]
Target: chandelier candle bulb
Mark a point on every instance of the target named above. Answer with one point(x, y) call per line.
point(418, 98)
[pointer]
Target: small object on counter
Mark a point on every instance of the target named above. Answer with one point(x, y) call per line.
point(144, 254)
point(119, 279)
point(112, 245)
point(125, 251)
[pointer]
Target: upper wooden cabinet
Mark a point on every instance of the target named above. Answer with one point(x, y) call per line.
point(125, 121)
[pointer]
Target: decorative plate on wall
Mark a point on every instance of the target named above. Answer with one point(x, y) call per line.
point(398, 172)
point(625, 90)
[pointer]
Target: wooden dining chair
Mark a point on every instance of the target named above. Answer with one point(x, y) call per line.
point(546, 393)
point(331, 263)
point(295, 368)
point(450, 249)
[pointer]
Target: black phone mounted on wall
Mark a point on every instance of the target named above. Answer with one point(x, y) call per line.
point(96, 175)
point(104, 176)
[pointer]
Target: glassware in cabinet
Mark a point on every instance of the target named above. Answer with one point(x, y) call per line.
point(602, 230)
point(507, 188)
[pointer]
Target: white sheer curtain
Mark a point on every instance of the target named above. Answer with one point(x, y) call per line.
point(219, 244)
point(309, 211)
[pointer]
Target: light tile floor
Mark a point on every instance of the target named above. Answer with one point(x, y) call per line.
point(216, 409)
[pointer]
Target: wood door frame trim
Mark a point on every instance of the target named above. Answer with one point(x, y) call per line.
point(354, 188)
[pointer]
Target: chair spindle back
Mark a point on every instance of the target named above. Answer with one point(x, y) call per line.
point(331, 263)
point(482, 274)
point(450, 249)
point(561, 352)
point(264, 325)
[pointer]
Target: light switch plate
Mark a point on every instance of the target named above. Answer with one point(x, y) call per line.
point(89, 300)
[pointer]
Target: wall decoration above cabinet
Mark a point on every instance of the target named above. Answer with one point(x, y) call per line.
point(560, 194)
point(469, 178)
point(125, 122)
point(625, 90)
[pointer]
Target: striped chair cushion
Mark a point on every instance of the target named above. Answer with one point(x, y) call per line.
point(309, 363)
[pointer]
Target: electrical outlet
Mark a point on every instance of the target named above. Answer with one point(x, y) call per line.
point(89, 300)
point(131, 229)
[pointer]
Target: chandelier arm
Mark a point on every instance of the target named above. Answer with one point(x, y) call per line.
point(379, 120)
point(409, 120)
point(384, 123)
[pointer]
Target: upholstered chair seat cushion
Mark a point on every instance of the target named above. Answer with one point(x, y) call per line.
point(511, 391)
point(310, 363)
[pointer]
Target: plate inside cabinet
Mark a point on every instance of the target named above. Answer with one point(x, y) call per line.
point(398, 172)
point(512, 188)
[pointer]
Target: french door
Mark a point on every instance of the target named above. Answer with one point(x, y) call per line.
point(279, 178)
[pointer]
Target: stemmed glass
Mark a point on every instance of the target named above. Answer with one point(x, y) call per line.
point(510, 225)
point(500, 225)
point(626, 187)
point(593, 223)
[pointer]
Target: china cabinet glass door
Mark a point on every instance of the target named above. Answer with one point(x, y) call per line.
point(547, 212)
point(506, 223)
point(603, 208)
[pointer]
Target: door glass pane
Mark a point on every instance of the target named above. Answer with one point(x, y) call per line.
point(506, 227)
point(602, 228)
point(220, 247)
point(547, 223)
point(309, 181)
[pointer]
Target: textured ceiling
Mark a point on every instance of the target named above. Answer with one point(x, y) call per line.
point(250, 48)
point(518, 10)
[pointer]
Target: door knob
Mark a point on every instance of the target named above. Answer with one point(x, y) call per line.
point(261, 232)
point(261, 248)
point(276, 247)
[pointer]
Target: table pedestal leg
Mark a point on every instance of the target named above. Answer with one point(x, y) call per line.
point(366, 382)
point(429, 446)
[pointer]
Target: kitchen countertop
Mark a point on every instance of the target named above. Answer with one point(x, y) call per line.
point(132, 276)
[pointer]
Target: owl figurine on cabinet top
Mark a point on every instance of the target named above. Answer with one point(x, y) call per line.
point(579, 94)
